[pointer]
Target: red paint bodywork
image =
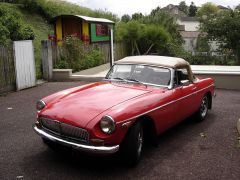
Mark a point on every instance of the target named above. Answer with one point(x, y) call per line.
point(84, 106)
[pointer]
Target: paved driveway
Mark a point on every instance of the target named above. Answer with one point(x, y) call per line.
point(207, 150)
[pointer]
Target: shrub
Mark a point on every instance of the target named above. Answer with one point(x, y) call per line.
point(12, 27)
point(79, 56)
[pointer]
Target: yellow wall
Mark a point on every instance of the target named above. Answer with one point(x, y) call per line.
point(59, 29)
point(85, 29)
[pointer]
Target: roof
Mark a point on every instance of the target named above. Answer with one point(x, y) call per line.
point(187, 18)
point(164, 61)
point(171, 9)
point(92, 19)
point(86, 18)
point(222, 7)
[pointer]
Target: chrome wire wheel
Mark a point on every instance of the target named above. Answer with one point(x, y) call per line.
point(204, 107)
point(140, 142)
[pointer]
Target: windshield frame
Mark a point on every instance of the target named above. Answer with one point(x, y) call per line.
point(170, 86)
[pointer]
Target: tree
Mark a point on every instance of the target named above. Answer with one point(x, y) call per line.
point(143, 38)
point(137, 16)
point(155, 11)
point(167, 21)
point(4, 34)
point(154, 37)
point(238, 7)
point(202, 44)
point(130, 33)
point(183, 7)
point(207, 10)
point(192, 10)
point(224, 27)
point(154, 33)
point(125, 18)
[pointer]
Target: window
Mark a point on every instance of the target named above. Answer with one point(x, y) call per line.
point(143, 73)
point(101, 30)
point(180, 74)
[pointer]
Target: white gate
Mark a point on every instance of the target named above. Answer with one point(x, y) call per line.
point(24, 64)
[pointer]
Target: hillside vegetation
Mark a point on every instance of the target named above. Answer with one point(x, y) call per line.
point(36, 23)
point(51, 8)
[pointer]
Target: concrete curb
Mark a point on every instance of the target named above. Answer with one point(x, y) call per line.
point(238, 126)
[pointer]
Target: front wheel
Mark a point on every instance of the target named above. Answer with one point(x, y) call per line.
point(203, 109)
point(132, 144)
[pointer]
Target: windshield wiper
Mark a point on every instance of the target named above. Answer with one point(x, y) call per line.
point(129, 80)
point(135, 80)
point(118, 78)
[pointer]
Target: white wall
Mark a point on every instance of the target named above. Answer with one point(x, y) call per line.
point(189, 25)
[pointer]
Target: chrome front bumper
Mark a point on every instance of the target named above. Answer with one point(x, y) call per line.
point(82, 147)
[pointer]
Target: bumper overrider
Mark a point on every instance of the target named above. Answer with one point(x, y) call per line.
point(82, 147)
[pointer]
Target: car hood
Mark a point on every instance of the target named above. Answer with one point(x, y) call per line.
point(81, 106)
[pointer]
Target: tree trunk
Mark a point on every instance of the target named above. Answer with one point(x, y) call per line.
point(137, 48)
point(237, 54)
point(132, 48)
point(149, 49)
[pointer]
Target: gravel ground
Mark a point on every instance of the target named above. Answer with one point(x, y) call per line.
point(207, 150)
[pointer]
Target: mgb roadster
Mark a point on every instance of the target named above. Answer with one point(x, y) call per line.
point(140, 98)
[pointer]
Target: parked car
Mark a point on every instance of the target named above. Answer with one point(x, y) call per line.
point(140, 98)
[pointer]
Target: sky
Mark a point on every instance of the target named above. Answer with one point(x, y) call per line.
point(121, 7)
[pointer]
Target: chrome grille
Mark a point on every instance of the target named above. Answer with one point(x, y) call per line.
point(51, 125)
point(66, 130)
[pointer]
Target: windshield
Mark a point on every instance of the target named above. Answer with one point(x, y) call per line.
point(141, 74)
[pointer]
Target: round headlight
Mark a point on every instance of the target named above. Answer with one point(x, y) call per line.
point(40, 105)
point(107, 124)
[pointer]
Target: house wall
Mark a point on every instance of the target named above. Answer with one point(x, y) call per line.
point(72, 26)
point(85, 29)
point(58, 29)
point(189, 25)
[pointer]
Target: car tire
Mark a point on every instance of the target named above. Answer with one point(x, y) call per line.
point(203, 109)
point(131, 147)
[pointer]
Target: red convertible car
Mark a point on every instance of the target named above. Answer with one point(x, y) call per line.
point(141, 97)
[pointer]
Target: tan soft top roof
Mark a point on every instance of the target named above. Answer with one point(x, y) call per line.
point(164, 61)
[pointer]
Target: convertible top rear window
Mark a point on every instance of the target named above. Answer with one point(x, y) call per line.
point(142, 73)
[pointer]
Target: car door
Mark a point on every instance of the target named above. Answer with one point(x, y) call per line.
point(185, 95)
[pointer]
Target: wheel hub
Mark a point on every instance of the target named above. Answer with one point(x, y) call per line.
point(204, 107)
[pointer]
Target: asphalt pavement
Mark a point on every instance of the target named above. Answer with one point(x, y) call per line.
point(207, 150)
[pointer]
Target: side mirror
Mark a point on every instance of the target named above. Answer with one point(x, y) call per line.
point(185, 82)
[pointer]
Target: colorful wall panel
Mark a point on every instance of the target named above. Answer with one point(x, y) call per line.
point(99, 33)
